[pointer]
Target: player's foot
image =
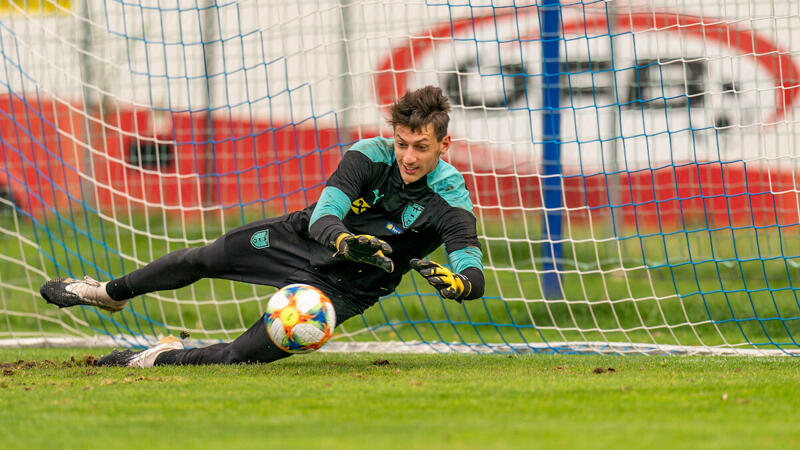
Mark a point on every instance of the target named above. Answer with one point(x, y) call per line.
point(66, 292)
point(145, 358)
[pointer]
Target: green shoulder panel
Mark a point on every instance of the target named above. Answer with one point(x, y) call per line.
point(333, 202)
point(378, 149)
point(449, 184)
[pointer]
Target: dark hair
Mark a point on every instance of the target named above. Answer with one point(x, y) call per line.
point(416, 109)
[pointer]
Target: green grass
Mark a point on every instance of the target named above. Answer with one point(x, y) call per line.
point(354, 401)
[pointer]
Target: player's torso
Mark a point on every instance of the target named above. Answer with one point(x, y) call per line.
point(387, 207)
point(409, 217)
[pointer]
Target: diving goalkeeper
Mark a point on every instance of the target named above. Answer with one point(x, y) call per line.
point(389, 203)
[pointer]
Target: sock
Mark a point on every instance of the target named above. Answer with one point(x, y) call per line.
point(168, 357)
point(118, 290)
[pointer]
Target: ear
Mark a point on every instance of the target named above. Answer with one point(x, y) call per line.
point(445, 145)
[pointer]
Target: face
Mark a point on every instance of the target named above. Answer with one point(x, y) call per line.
point(418, 151)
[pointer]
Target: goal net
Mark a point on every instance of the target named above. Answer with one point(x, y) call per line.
point(632, 163)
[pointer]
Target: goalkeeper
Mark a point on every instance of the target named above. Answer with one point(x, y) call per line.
point(389, 203)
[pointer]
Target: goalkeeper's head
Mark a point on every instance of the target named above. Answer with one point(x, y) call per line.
point(420, 119)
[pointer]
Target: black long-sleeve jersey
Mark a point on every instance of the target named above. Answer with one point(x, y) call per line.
point(366, 195)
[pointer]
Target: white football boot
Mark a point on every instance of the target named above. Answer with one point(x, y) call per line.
point(66, 292)
point(144, 358)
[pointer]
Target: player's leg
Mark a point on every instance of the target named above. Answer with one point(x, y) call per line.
point(243, 254)
point(253, 346)
point(171, 271)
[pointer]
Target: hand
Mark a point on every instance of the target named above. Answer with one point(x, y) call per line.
point(450, 285)
point(365, 249)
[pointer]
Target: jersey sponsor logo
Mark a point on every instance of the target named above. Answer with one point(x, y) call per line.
point(393, 228)
point(410, 214)
point(359, 205)
point(260, 239)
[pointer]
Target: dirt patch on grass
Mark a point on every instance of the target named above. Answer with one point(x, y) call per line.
point(9, 368)
point(85, 360)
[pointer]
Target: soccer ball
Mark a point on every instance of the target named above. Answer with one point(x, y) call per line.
point(300, 318)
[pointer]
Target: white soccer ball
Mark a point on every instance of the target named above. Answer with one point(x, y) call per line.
point(300, 318)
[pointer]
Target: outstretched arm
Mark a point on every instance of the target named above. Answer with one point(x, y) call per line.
point(465, 281)
point(326, 224)
point(465, 285)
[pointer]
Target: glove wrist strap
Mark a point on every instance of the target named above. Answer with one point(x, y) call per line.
point(339, 239)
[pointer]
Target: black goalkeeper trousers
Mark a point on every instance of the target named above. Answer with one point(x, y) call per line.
point(253, 346)
point(243, 254)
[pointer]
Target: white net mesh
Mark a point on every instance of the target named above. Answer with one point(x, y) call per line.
point(637, 192)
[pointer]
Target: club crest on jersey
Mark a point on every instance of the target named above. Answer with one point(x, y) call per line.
point(410, 214)
point(260, 239)
point(359, 205)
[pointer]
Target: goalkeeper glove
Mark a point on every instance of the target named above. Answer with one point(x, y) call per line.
point(365, 249)
point(450, 285)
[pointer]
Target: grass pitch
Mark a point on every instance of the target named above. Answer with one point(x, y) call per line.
point(50, 398)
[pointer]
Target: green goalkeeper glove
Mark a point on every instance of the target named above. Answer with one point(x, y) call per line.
point(450, 285)
point(366, 249)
